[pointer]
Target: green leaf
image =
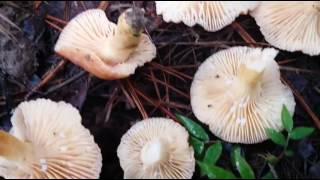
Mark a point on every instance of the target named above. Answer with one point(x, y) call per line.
point(213, 153)
point(197, 145)
point(242, 165)
point(276, 137)
point(287, 120)
point(300, 133)
point(289, 153)
point(269, 175)
point(215, 172)
point(233, 156)
point(195, 129)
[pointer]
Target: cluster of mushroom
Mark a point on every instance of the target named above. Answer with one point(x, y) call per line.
point(293, 26)
point(237, 92)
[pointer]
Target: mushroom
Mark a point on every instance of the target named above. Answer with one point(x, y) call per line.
point(107, 50)
point(239, 94)
point(47, 141)
point(293, 26)
point(211, 15)
point(156, 148)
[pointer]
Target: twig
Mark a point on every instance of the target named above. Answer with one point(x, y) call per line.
point(83, 5)
point(168, 86)
point(243, 33)
point(273, 171)
point(70, 80)
point(287, 61)
point(193, 66)
point(299, 70)
point(109, 104)
point(155, 84)
point(103, 5)
point(36, 5)
point(211, 44)
point(54, 25)
point(166, 83)
point(168, 113)
point(58, 20)
point(125, 92)
point(47, 77)
point(171, 71)
point(136, 99)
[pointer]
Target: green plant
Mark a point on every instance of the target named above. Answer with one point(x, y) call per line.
point(207, 158)
point(293, 133)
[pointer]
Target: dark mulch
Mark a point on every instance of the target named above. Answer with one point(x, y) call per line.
point(160, 88)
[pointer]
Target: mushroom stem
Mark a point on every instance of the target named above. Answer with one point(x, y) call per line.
point(126, 38)
point(12, 148)
point(250, 73)
point(129, 29)
point(248, 77)
point(154, 152)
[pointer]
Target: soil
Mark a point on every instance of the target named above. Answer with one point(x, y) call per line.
point(160, 88)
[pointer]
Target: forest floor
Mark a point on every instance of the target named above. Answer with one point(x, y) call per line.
point(158, 89)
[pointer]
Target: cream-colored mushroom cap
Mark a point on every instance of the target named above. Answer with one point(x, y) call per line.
point(238, 93)
point(211, 15)
point(293, 26)
point(47, 141)
point(101, 47)
point(156, 148)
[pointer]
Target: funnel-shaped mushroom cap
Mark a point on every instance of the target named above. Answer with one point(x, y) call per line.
point(211, 15)
point(293, 26)
point(107, 50)
point(156, 148)
point(47, 141)
point(238, 93)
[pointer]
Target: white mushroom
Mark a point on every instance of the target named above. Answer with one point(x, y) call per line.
point(156, 148)
point(107, 50)
point(293, 26)
point(47, 141)
point(238, 93)
point(211, 15)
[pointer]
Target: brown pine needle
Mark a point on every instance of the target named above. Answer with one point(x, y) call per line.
point(103, 5)
point(47, 77)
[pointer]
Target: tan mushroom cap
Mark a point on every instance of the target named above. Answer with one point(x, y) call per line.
point(156, 148)
point(48, 141)
point(89, 41)
point(293, 26)
point(238, 93)
point(211, 15)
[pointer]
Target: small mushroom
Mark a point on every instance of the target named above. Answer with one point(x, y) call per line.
point(48, 141)
point(293, 26)
point(107, 50)
point(156, 148)
point(211, 15)
point(239, 94)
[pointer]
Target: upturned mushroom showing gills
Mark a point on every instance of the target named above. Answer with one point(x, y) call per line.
point(211, 15)
point(48, 141)
point(239, 94)
point(293, 26)
point(156, 148)
point(107, 50)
